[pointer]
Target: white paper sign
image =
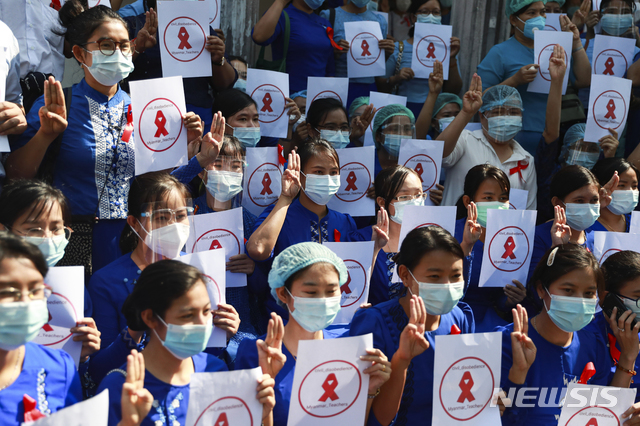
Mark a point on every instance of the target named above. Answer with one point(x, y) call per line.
point(607, 243)
point(518, 199)
point(431, 43)
point(466, 374)
point(634, 227)
point(91, 412)
point(612, 55)
point(183, 28)
point(66, 308)
point(356, 176)
point(94, 3)
point(220, 230)
point(270, 89)
point(593, 405)
point(553, 22)
point(379, 101)
point(4, 68)
point(608, 106)
point(364, 58)
point(425, 157)
point(329, 386)
point(224, 398)
point(357, 257)
point(214, 13)
point(327, 87)
point(262, 181)
point(508, 245)
point(544, 42)
point(161, 138)
point(385, 15)
point(212, 265)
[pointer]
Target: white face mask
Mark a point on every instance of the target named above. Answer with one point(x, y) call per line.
point(582, 216)
point(315, 314)
point(223, 185)
point(399, 208)
point(439, 299)
point(167, 241)
point(321, 188)
point(52, 248)
point(631, 304)
point(623, 202)
point(109, 70)
point(338, 139)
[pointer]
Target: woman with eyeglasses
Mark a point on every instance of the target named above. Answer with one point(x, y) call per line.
point(88, 150)
point(327, 119)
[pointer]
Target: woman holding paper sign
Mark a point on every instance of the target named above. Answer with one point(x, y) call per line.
point(306, 279)
point(430, 266)
point(327, 119)
point(171, 305)
point(624, 198)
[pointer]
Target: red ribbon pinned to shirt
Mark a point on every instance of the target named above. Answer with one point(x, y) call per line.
point(587, 373)
point(333, 43)
point(613, 350)
point(281, 159)
point(522, 165)
point(31, 413)
point(455, 329)
point(55, 4)
point(128, 128)
point(336, 236)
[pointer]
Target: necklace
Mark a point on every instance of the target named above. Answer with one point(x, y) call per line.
point(13, 374)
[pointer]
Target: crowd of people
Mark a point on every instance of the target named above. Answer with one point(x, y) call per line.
point(70, 197)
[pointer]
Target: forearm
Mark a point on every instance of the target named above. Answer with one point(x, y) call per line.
point(386, 405)
point(466, 248)
point(223, 76)
point(452, 132)
point(454, 83)
point(24, 162)
point(263, 239)
point(268, 421)
point(518, 376)
point(621, 378)
point(267, 24)
point(581, 68)
point(554, 107)
point(423, 123)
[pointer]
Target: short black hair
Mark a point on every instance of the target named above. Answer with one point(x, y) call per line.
point(317, 112)
point(422, 241)
point(315, 147)
point(33, 196)
point(13, 247)
point(620, 268)
point(569, 179)
point(389, 182)
point(604, 169)
point(231, 101)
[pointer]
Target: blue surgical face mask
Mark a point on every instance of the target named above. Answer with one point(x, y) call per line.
point(429, 19)
point(582, 216)
point(314, 4)
point(570, 313)
point(52, 248)
point(392, 144)
point(223, 185)
point(248, 136)
point(240, 84)
point(337, 138)
point(444, 122)
point(399, 208)
point(20, 322)
point(483, 206)
point(623, 202)
point(582, 158)
point(109, 70)
point(531, 25)
point(315, 314)
point(185, 341)
point(439, 299)
point(321, 188)
point(616, 25)
point(503, 128)
point(360, 3)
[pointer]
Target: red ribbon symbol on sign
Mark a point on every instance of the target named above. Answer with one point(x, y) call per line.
point(47, 328)
point(509, 246)
point(266, 103)
point(183, 35)
point(611, 109)
point(419, 170)
point(215, 244)
point(351, 180)
point(592, 422)
point(365, 48)
point(466, 383)
point(344, 288)
point(160, 122)
point(330, 384)
point(431, 49)
point(222, 420)
point(608, 66)
point(266, 185)
point(522, 165)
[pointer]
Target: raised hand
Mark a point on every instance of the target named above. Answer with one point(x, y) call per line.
point(580, 15)
point(226, 318)
point(146, 37)
point(472, 229)
point(270, 356)
point(557, 65)
point(380, 370)
point(212, 141)
point(136, 400)
point(607, 190)
point(436, 78)
point(412, 340)
point(361, 123)
point(380, 233)
point(291, 177)
point(88, 334)
point(53, 115)
point(568, 26)
point(472, 100)
point(560, 231)
point(522, 347)
point(609, 144)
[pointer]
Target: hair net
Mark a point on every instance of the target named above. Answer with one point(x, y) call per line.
point(388, 112)
point(300, 94)
point(445, 99)
point(560, 2)
point(297, 257)
point(357, 103)
point(501, 95)
point(573, 135)
point(513, 6)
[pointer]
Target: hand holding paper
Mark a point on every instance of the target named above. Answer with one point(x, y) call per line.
point(87, 332)
point(380, 370)
point(226, 318)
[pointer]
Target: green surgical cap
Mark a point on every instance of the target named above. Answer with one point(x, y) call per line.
point(445, 99)
point(513, 6)
point(388, 112)
point(357, 103)
point(501, 95)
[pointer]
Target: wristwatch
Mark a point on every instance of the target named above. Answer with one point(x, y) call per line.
point(219, 64)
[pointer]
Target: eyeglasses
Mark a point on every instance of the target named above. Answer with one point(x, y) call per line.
point(108, 46)
point(10, 295)
point(42, 233)
point(162, 217)
point(434, 12)
point(399, 129)
point(335, 128)
point(421, 196)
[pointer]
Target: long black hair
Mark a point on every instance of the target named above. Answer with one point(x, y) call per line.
point(13, 247)
point(389, 182)
point(475, 176)
point(33, 196)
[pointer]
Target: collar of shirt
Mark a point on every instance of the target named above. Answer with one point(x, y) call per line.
point(519, 153)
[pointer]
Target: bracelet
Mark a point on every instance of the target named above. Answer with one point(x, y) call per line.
point(578, 49)
point(629, 372)
point(378, 393)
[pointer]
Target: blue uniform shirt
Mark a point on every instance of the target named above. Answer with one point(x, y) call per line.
point(600, 227)
point(169, 402)
point(49, 376)
point(387, 321)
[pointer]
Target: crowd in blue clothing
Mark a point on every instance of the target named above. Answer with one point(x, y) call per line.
point(71, 197)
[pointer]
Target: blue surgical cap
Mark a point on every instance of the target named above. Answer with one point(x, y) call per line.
point(513, 6)
point(357, 103)
point(446, 99)
point(573, 135)
point(300, 94)
point(297, 257)
point(388, 112)
point(501, 96)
